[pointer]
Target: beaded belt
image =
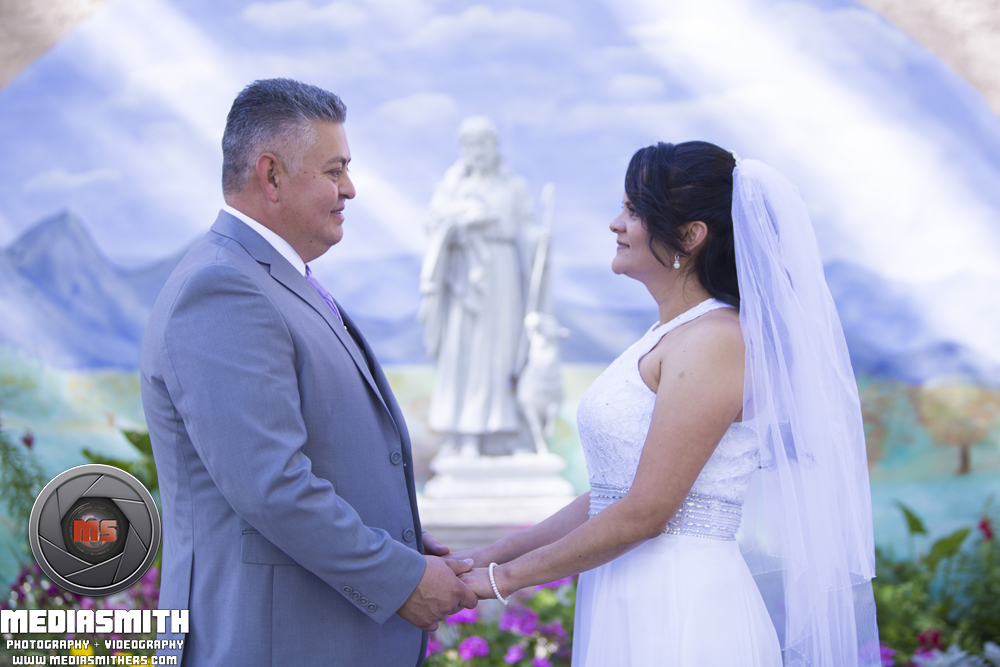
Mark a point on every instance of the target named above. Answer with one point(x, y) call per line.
point(699, 515)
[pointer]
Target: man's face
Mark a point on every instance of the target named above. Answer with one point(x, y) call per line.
point(313, 196)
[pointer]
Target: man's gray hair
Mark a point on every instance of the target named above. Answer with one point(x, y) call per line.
point(264, 116)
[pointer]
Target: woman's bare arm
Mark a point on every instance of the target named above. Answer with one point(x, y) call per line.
point(699, 395)
point(546, 532)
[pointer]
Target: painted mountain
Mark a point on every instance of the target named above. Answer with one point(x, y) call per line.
point(62, 300)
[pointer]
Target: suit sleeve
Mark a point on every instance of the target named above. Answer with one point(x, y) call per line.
point(229, 366)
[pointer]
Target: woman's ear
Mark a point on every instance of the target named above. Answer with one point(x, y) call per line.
point(693, 234)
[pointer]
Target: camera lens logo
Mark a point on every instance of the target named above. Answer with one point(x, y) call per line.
point(94, 530)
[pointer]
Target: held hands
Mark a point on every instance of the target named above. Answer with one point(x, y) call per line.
point(478, 580)
point(439, 593)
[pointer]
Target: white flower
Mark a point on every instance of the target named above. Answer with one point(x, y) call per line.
point(992, 653)
point(953, 657)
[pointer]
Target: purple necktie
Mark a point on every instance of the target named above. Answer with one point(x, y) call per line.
point(322, 292)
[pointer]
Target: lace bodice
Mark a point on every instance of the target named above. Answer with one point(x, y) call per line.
point(614, 417)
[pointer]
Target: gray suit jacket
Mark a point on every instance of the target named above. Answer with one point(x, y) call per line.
point(289, 508)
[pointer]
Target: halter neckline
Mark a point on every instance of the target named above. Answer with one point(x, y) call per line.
point(691, 313)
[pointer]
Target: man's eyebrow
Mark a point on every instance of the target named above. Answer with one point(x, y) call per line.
point(338, 159)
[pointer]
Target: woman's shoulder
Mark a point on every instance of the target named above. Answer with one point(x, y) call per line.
point(716, 334)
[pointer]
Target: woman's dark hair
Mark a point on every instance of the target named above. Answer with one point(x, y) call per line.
point(669, 185)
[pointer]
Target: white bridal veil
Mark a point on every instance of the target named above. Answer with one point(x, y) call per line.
point(807, 528)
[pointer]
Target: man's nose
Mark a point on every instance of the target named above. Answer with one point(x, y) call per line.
point(347, 187)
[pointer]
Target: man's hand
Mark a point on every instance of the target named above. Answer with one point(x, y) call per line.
point(439, 594)
point(434, 547)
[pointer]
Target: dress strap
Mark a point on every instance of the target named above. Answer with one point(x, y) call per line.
point(695, 312)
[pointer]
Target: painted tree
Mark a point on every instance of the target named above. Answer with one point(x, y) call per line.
point(958, 415)
point(876, 405)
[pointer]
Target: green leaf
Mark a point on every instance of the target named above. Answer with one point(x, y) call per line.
point(946, 547)
point(139, 440)
point(913, 522)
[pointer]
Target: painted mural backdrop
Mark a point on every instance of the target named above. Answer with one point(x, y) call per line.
point(112, 160)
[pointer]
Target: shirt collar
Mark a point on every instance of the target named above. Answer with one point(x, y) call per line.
point(278, 243)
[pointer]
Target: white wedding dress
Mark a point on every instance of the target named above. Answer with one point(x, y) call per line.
point(685, 598)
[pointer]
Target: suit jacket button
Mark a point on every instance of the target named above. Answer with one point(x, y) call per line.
point(348, 590)
point(408, 535)
point(396, 458)
point(372, 609)
point(363, 601)
point(356, 595)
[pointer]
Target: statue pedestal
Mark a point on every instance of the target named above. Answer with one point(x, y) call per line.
point(518, 475)
point(472, 501)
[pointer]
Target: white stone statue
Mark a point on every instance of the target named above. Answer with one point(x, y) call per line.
point(539, 388)
point(475, 280)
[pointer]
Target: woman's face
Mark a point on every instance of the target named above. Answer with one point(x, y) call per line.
point(633, 257)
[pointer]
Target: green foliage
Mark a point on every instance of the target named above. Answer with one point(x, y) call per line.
point(949, 595)
point(21, 480)
point(142, 468)
point(536, 628)
point(946, 547)
point(913, 523)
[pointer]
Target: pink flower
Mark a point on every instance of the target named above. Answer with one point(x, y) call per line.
point(514, 653)
point(541, 662)
point(28, 439)
point(986, 528)
point(463, 616)
point(433, 646)
point(473, 646)
point(929, 639)
point(887, 654)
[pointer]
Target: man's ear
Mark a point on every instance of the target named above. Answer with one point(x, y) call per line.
point(270, 170)
point(693, 234)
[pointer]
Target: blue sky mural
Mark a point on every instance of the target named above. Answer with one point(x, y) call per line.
point(898, 159)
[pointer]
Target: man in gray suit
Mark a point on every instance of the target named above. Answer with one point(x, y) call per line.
point(290, 519)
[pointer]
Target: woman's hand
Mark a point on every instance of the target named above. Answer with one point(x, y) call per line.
point(478, 580)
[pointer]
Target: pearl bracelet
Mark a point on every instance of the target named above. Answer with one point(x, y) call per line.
point(496, 591)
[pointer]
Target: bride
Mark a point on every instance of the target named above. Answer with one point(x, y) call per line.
point(737, 411)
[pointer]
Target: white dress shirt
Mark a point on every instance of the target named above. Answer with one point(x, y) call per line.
point(278, 243)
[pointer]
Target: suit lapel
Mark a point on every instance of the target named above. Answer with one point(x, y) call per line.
point(285, 273)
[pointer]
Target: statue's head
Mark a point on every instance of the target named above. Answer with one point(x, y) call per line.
point(477, 136)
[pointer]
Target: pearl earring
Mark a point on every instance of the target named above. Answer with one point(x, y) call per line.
point(677, 260)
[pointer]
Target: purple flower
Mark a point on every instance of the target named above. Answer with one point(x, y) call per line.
point(87, 603)
point(519, 621)
point(433, 646)
point(555, 584)
point(473, 646)
point(514, 653)
point(887, 655)
point(463, 616)
point(541, 662)
point(554, 628)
